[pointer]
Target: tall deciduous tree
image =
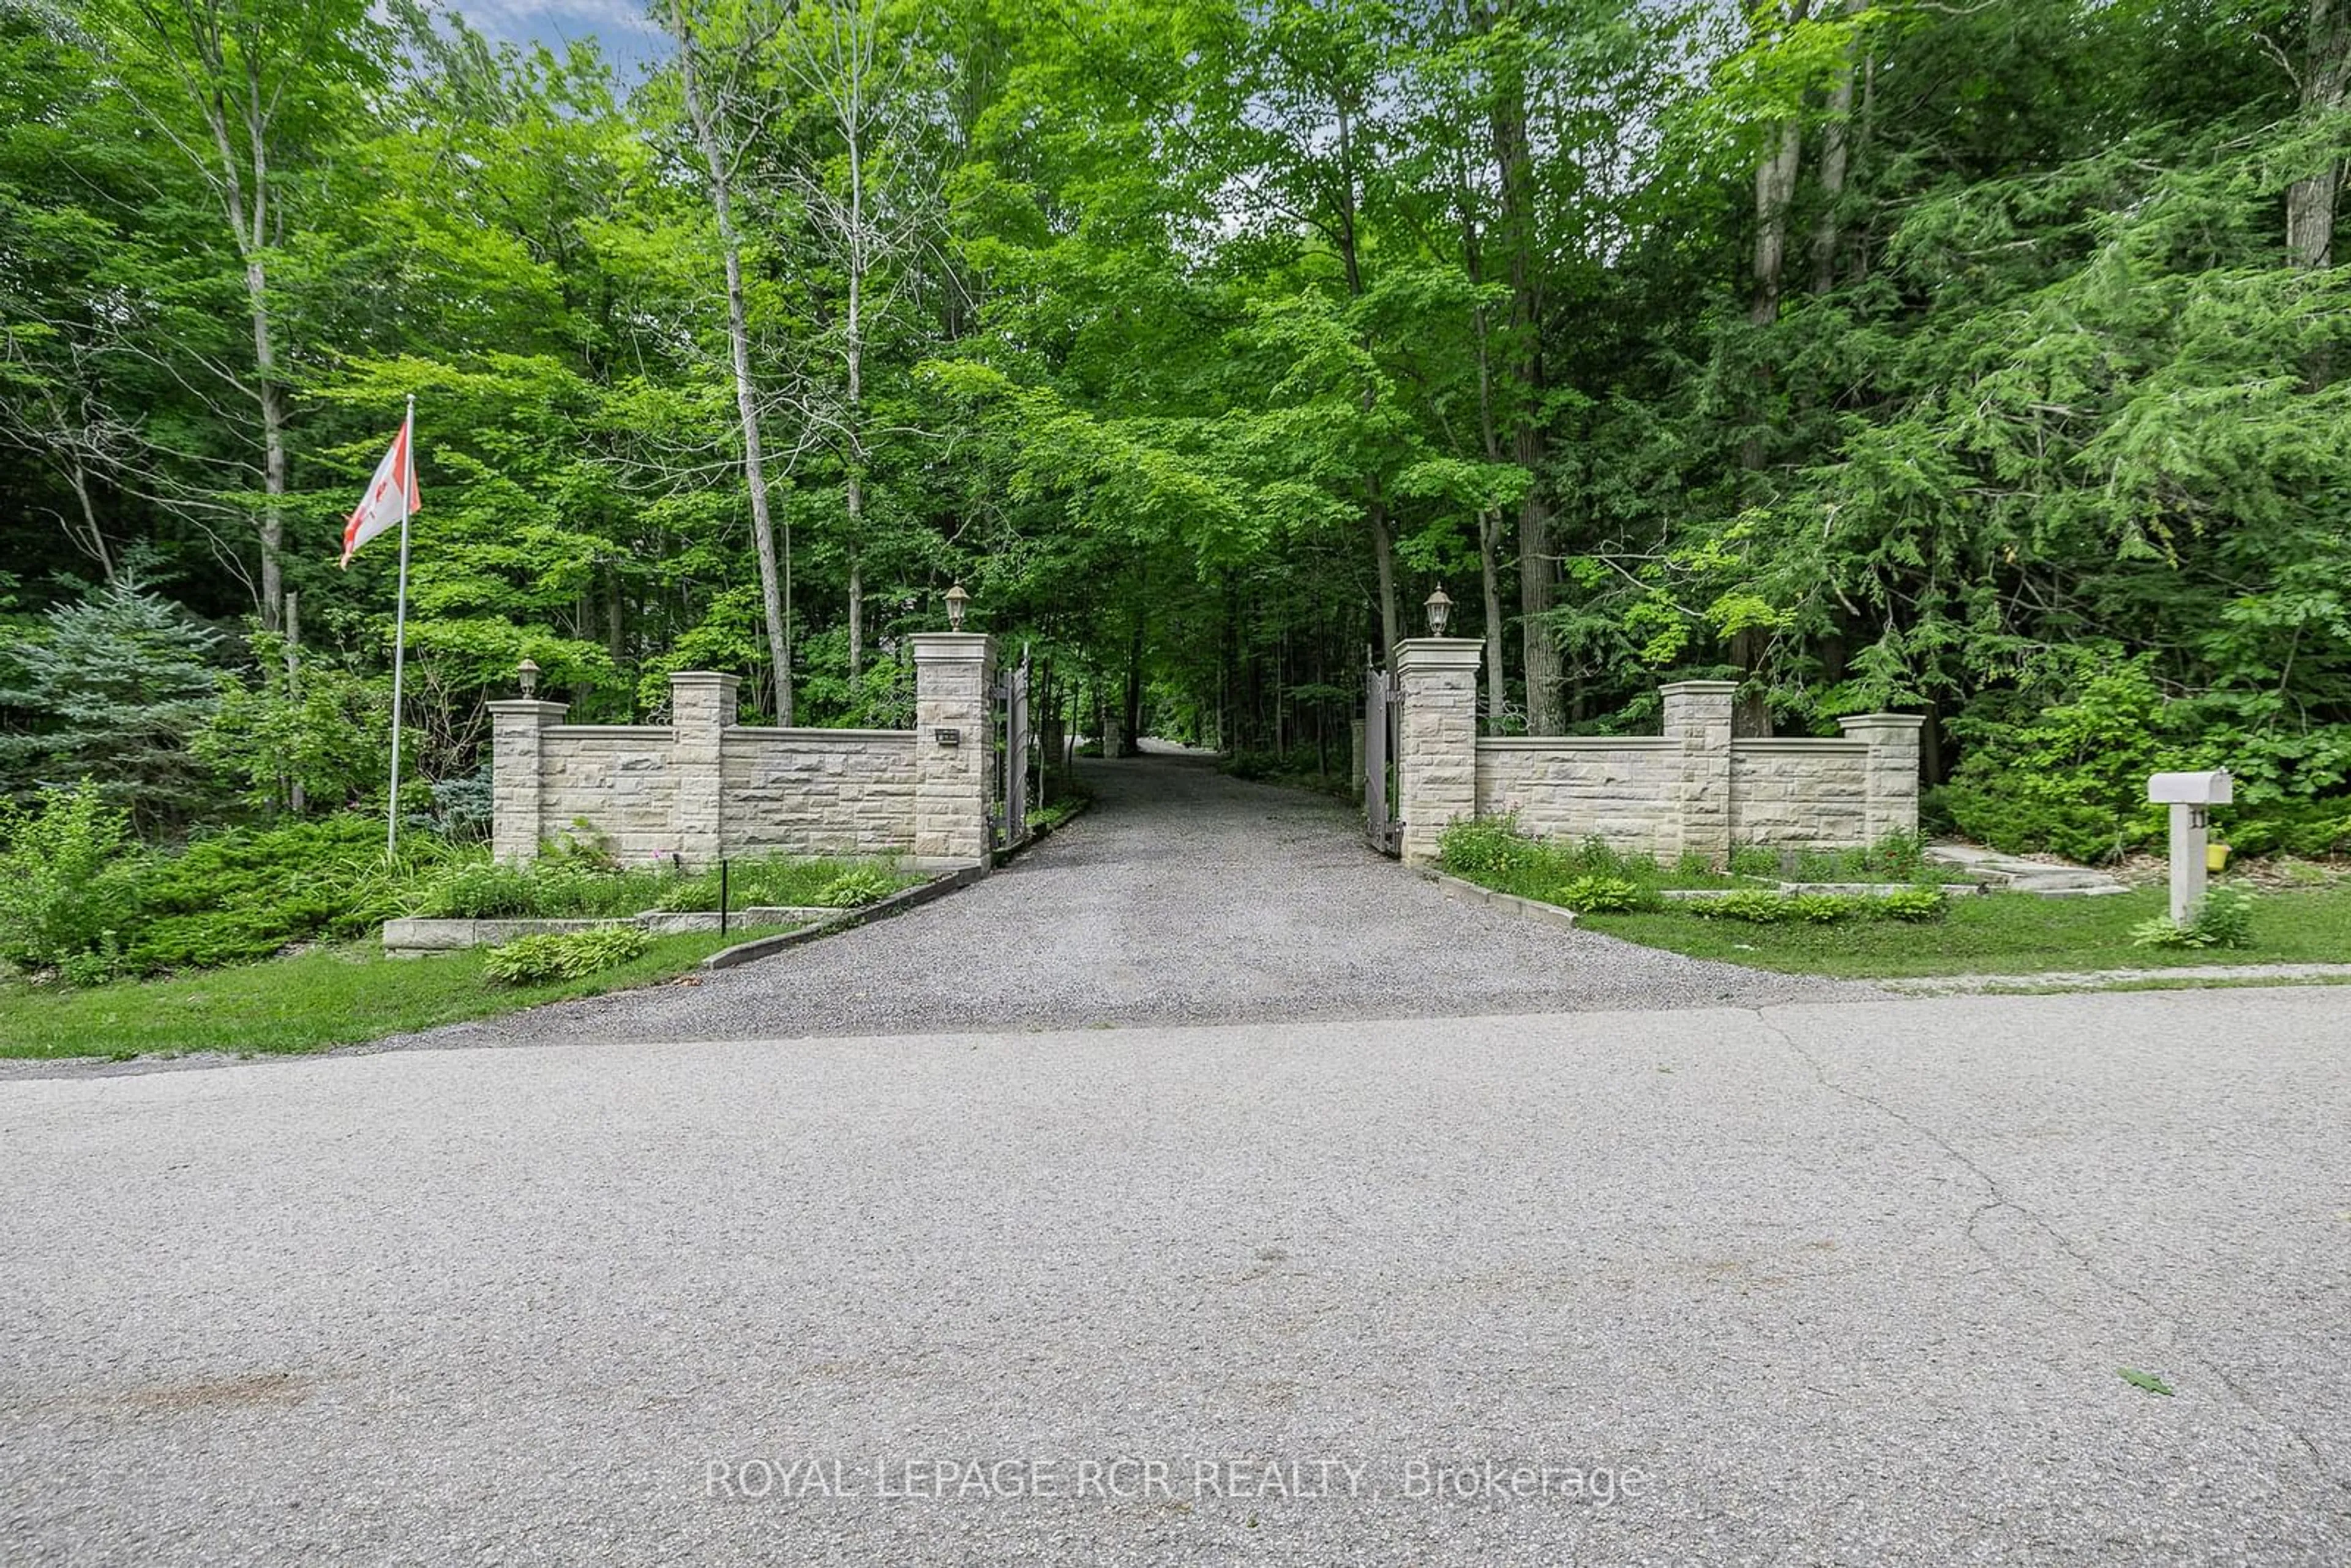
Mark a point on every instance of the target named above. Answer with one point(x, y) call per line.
point(249, 93)
point(720, 135)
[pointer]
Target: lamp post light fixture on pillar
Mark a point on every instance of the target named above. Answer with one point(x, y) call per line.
point(527, 675)
point(1441, 611)
point(957, 602)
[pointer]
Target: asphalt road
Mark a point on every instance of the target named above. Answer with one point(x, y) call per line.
point(1183, 896)
point(1842, 1283)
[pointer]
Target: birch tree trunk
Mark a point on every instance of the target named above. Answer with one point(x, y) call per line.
point(831, 54)
point(232, 99)
point(1775, 190)
point(1835, 158)
point(704, 120)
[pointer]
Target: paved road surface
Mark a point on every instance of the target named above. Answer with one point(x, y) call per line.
point(1849, 1284)
point(1183, 896)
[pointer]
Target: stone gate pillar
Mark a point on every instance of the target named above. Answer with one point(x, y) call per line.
point(1892, 772)
point(955, 748)
point(518, 770)
point(1697, 714)
point(1436, 746)
point(702, 709)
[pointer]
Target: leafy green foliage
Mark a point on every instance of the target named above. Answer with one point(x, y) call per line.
point(63, 879)
point(1200, 343)
point(1753, 905)
point(576, 880)
point(563, 956)
point(2072, 776)
point(1913, 904)
point(1898, 857)
point(330, 736)
point(554, 886)
point(2222, 918)
point(244, 893)
point(1479, 847)
point(1908, 906)
point(1604, 895)
point(855, 888)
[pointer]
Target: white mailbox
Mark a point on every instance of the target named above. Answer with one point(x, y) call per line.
point(2188, 794)
point(2211, 788)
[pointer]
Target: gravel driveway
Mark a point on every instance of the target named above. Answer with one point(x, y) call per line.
point(1183, 896)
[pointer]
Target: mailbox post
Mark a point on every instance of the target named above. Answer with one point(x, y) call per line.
point(2190, 796)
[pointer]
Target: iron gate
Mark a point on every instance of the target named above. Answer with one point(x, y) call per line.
point(1012, 785)
point(1380, 707)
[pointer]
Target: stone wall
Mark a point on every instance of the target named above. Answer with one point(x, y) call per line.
point(702, 786)
point(1693, 790)
point(1807, 792)
point(814, 792)
point(620, 777)
point(1620, 791)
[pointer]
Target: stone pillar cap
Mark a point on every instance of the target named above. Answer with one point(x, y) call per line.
point(529, 706)
point(950, 644)
point(1883, 721)
point(704, 678)
point(1442, 651)
point(1707, 688)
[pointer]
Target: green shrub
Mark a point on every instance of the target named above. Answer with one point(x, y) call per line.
point(1824, 908)
point(96, 967)
point(1912, 903)
point(482, 889)
point(2310, 829)
point(2222, 918)
point(856, 887)
point(1604, 895)
point(1747, 904)
point(1896, 857)
point(2060, 764)
point(246, 894)
point(563, 956)
point(1754, 905)
point(65, 873)
point(1489, 846)
point(1754, 860)
point(559, 884)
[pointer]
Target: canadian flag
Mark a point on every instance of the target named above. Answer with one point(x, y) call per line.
point(391, 498)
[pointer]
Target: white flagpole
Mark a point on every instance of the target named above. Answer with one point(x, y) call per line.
point(399, 637)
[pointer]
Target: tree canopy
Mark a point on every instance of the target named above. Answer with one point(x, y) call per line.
point(1986, 361)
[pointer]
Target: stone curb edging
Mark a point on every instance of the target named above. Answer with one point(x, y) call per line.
point(882, 909)
point(414, 936)
point(1840, 889)
point(1529, 908)
point(2031, 981)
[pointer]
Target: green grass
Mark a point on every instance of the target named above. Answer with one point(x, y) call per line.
point(1998, 934)
point(329, 996)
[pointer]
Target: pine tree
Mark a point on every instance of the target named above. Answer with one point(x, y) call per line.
point(112, 691)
